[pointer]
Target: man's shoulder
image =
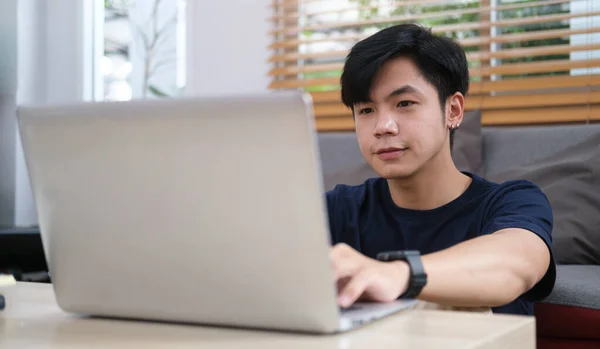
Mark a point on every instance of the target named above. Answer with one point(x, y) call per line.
point(512, 187)
point(517, 203)
point(511, 197)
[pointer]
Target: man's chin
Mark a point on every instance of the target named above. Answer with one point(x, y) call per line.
point(395, 172)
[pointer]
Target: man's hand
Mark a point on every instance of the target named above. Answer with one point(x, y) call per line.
point(360, 277)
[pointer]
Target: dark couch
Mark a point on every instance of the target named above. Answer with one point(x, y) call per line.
point(565, 161)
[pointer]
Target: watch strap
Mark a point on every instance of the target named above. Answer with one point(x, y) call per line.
point(418, 277)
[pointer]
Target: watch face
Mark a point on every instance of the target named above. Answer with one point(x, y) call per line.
point(395, 255)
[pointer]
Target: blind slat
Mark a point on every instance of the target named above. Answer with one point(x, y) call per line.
point(539, 116)
point(291, 3)
point(305, 56)
point(532, 51)
point(335, 124)
point(535, 83)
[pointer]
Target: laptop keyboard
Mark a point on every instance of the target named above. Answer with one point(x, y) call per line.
point(353, 307)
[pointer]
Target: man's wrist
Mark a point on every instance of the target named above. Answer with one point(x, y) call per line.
point(404, 275)
point(417, 278)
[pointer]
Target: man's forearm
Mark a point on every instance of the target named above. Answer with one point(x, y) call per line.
point(491, 270)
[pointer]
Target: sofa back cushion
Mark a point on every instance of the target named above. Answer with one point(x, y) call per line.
point(571, 180)
point(507, 147)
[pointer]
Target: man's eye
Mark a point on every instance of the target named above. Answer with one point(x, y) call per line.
point(365, 111)
point(405, 103)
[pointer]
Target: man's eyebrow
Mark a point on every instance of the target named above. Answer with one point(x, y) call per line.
point(402, 90)
point(396, 92)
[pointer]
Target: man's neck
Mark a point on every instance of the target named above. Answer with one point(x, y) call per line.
point(435, 185)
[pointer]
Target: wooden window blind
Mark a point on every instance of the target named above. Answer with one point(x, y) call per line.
point(531, 61)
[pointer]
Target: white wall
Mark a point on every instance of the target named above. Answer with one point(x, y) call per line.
point(32, 88)
point(8, 92)
point(227, 48)
point(45, 57)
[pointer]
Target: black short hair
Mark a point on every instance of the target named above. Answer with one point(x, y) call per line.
point(441, 60)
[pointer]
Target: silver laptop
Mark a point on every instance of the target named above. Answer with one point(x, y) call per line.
point(195, 210)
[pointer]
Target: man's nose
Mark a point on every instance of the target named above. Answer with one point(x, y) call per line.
point(385, 125)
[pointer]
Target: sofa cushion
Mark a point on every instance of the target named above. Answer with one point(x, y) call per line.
point(343, 163)
point(505, 147)
point(577, 286)
point(467, 150)
point(570, 180)
point(338, 151)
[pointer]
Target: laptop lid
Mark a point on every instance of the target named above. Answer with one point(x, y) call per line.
point(206, 210)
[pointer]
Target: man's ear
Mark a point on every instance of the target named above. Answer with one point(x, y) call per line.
point(455, 109)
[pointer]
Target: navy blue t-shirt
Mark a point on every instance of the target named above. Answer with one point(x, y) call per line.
point(366, 218)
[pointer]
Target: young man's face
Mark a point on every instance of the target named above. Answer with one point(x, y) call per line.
point(403, 127)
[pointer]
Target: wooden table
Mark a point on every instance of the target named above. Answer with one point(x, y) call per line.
point(32, 319)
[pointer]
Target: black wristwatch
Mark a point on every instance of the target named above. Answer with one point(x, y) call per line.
point(418, 277)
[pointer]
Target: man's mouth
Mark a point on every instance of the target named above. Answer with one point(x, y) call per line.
point(390, 153)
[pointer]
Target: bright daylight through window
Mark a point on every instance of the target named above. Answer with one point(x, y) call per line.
point(144, 49)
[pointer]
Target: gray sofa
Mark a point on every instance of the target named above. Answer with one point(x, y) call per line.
point(515, 151)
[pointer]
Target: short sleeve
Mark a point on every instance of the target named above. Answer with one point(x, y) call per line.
point(522, 204)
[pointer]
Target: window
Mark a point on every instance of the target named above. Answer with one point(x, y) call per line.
point(531, 61)
point(143, 49)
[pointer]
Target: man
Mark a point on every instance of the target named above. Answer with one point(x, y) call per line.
point(479, 244)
